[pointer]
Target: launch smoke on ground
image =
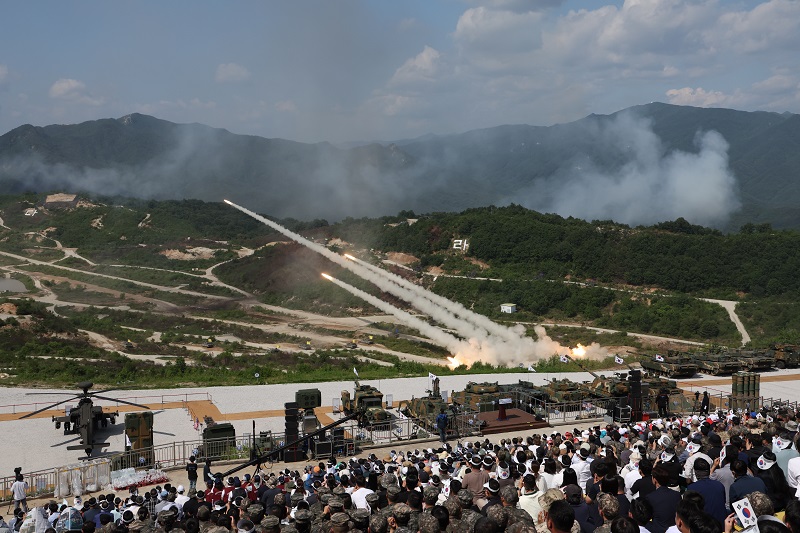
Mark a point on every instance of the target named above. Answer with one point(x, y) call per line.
point(484, 340)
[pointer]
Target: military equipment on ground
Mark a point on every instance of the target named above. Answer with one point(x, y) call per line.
point(534, 391)
point(615, 386)
point(564, 390)
point(305, 346)
point(480, 397)
point(786, 355)
point(85, 418)
point(673, 364)
point(368, 399)
point(351, 345)
point(308, 398)
point(426, 409)
point(218, 438)
point(368, 340)
point(139, 433)
point(755, 360)
point(718, 363)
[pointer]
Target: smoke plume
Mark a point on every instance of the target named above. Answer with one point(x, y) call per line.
point(650, 186)
point(486, 341)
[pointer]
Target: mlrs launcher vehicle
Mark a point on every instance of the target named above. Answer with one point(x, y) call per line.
point(368, 399)
point(479, 396)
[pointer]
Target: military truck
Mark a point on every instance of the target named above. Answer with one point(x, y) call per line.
point(370, 400)
point(786, 355)
point(753, 360)
point(673, 364)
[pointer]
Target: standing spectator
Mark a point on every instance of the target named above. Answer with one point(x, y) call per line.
point(19, 491)
point(663, 500)
point(441, 425)
point(191, 472)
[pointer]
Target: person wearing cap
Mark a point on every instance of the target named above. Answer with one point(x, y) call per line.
point(585, 514)
point(181, 498)
point(774, 479)
point(469, 515)
point(784, 448)
point(491, 495)
point(713, 492)
point(581, 464)
point(695, 453)
point(721, 470)
point(476, 478)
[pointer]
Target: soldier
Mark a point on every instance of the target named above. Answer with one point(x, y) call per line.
point(392, 495)
point(360, 518)
point(468, 514)
point(271, 524)
point(428, 523)
point(509, 498)
point(302, 520)
point(378, 524)
point(340, 523)
point(401, 514)
point(454, 512)
point(167, 521)
point(429, 498)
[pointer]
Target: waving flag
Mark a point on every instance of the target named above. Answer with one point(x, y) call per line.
point(531, 369)
point(659, 358)
point(618, 360)
point(564, 359)
point(431, 376)
point(355, 371)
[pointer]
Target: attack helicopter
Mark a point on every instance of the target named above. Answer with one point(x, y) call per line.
point(85, 418)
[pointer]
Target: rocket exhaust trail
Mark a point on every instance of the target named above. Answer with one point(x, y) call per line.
point(438, 311)
point(435, 334)
point(455, 308)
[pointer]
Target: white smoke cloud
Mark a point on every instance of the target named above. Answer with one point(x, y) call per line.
point(486, 341)
point(650, 186)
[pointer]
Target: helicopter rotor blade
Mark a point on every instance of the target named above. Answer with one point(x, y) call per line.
point(95, 393)
point(46, 408)
point(121, 401)
point(52, 394)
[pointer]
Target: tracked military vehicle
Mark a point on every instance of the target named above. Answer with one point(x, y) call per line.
point(718, 363)
point(673, 365)
point(427, 408)
point(754, 360)
point(786, 355)
point(564, 390)
point(479, 396)
point(370, 400)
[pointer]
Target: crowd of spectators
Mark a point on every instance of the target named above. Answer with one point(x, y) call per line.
point(664, 476)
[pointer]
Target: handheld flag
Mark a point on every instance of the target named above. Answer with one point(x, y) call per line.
point(564, 359)
point(618, 360)
point(659, 358)
point(355, 371)
point(531, 369)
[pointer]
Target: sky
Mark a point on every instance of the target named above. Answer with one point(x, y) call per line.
point(350, 70)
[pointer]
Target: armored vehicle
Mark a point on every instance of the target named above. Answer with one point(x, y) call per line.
point(614, 387)
point(754, 360)
point(427, 408)
point(673, 365)
point(370, 400)
point(564, 390)
point(534, 391)
point(480, 396)
point(786, 355)
point(718, 363)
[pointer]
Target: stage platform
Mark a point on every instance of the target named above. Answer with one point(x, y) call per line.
point(516, 420)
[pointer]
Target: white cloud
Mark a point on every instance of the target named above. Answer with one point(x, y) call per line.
point(231, 73)
point(769, 24)
point(70, 90)
point(421, 68)
point(698, 97)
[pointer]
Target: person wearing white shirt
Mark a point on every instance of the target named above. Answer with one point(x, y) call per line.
point(581, 467)
point(359, 494)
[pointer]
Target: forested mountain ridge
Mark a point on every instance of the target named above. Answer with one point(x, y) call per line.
point(146, 157)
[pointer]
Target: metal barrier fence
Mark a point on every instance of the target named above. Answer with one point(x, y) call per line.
point(176, 454)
